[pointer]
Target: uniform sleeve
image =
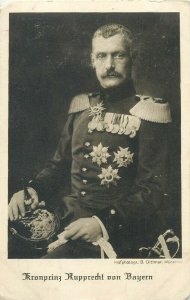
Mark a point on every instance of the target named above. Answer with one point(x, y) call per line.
point(148, 202)
point(52, 176)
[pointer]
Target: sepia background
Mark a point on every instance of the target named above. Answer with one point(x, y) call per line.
point(49, 63)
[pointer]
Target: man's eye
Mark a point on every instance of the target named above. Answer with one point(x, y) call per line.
point(119, 55)
point(101, 55)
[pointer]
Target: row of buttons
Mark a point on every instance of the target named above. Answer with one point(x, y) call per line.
point(83, 193)
point(87, 144)
point(113, 212)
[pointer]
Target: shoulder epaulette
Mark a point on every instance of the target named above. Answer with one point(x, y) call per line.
point(79, 103)
point(152, 109)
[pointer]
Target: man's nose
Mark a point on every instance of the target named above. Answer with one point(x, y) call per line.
point(109, 63)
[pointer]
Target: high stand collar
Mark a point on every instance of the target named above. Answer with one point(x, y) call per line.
point(118, 93)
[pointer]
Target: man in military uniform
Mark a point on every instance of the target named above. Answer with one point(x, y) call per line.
point(114, 144)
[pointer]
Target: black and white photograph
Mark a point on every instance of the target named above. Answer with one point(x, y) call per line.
point(94, 168)
point(95, 150)
point(94, 135)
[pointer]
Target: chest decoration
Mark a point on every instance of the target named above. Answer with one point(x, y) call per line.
point(123, 157)
point(109, 176)
point(112, 122)
point(99, 154)
point(111, 162)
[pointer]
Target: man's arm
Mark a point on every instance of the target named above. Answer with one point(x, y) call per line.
point(52, 176)
point(47, 181)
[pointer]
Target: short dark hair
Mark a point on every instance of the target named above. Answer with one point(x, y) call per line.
point(109, 30)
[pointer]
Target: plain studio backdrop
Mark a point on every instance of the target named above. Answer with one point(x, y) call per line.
point(49, 63)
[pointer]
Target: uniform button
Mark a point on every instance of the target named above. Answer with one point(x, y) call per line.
point(87, 144)
point(84, 181)
point(84, 169)
point(83, 193)
point(120, 226)
point(86, 156)
point(112, 211)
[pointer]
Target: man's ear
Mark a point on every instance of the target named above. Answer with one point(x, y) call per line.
point(134, 54)
point(92, 60)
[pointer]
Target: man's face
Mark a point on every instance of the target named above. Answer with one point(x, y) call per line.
point(111, 60)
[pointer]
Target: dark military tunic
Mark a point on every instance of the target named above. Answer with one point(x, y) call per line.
point(115, 145)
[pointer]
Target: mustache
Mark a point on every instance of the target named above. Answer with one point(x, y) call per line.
point(109, 73)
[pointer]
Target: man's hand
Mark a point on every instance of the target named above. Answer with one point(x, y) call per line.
point(87, 229)
point(17, 207)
